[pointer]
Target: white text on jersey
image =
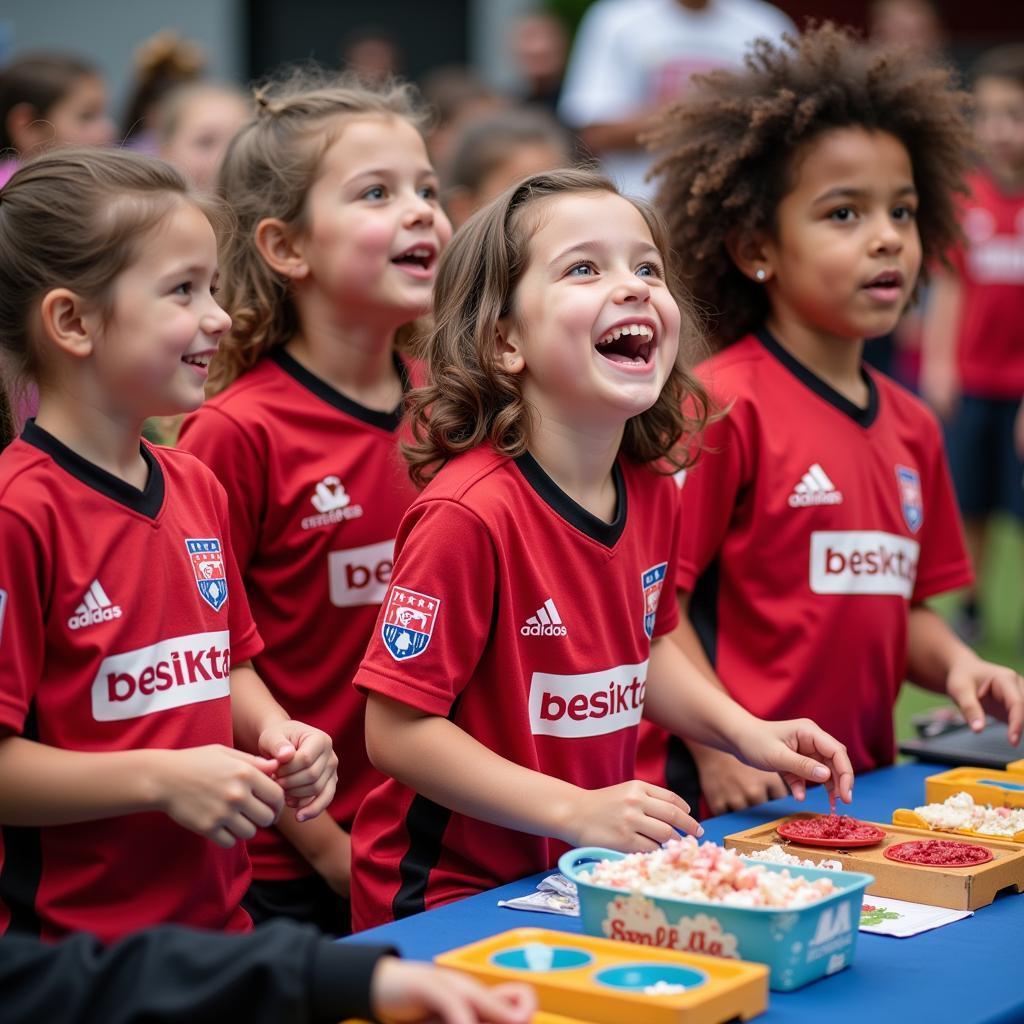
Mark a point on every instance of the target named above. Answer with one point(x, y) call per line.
point(96, 607)
point(863, 562)
point(170, 674)
point(333, 504)
point(588, 704)
point(360, 575)
point(815, 488)
point(545, 621)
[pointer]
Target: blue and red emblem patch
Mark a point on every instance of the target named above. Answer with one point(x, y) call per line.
point(652, 580)
point(208, 565)
point(910, 497)
point(408, 622)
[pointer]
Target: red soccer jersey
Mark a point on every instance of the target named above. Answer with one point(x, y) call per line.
point(990, 341)
point(121, 613)
point(809, 527)
point(316, 488)
point(528, 622)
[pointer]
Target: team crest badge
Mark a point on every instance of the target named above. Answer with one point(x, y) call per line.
point(910, 497)
point(652, 581)
point(208, 565)
point(408, 622)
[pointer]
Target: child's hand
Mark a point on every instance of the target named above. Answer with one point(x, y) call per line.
point(220, 793)
point(308, 770)
point(633, 817)
point(408, 991)
point(729, 785)
point(979, 686)
point(800, 752)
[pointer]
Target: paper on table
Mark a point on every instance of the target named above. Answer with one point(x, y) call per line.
point(883, 916)
point(554, 895)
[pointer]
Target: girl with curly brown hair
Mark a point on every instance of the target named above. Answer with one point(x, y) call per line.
point(803, 194)
point(522, 637)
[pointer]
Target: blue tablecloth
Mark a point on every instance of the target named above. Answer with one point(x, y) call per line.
point(970, 971)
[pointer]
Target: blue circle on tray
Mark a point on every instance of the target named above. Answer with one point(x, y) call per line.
point(522, 958)
point(637, 977)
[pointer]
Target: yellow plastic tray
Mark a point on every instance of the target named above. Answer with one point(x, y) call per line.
point(730, 988)
point(912, 818)
point(986, 785)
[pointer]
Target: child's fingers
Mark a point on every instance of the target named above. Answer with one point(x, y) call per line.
point(668, 796)
point(672, 819)
point(321, 803)
point(507, 1004)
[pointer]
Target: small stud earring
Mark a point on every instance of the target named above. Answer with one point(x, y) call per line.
point(761, 274)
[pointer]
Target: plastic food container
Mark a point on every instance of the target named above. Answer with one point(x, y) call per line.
point(798, 946)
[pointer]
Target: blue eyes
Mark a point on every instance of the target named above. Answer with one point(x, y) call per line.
point(588, 269)
point(428, 192)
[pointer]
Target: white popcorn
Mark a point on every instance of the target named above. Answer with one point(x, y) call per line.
point(707, 873)
point(960, 811)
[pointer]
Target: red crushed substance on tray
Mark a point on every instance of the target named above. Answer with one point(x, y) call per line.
point(831, 826)
point(941, 853)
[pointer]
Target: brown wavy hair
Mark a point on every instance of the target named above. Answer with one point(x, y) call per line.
point(268, 171)
point(727, 150)
point(470, 399)
point(73, 218)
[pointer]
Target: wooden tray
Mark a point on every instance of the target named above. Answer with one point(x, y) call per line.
point(957, 888)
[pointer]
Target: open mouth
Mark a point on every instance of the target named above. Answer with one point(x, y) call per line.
point(420, 257)
point(200, 359)
point(887, 283)
point(628, 344)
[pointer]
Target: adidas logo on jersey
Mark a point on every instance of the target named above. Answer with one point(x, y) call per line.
point(815, 488)
point(545, 621)
point(95, 608)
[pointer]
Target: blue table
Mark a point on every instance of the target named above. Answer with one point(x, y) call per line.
point(970, 971)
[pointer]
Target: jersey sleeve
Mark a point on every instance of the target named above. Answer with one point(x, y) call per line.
point(943, 563)
point(437, 615)
point(708, 497)
point(221, 443)
point(23, 575)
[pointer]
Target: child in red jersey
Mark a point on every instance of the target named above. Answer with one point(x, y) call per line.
point(124, 630)
point(973, 369)
point(339, 233)
point(522, 638)
point(801, 193)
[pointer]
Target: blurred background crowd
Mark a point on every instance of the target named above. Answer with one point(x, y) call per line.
point(516, 86)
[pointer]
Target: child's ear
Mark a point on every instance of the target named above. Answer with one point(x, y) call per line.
point(510, 348)
point(69, 322)
point(281, 248)
point(752, 254)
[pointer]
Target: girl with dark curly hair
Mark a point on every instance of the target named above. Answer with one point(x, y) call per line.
point(804, 194)
point(522, 637)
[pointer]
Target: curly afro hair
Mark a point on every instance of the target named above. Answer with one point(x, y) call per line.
point(726, 150)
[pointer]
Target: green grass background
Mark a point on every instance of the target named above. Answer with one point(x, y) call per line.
point(1002, 608)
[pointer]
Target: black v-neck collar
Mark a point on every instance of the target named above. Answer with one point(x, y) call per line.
point(332, 396)
point(146, 502)
point(864, 417)
point(575, 514)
